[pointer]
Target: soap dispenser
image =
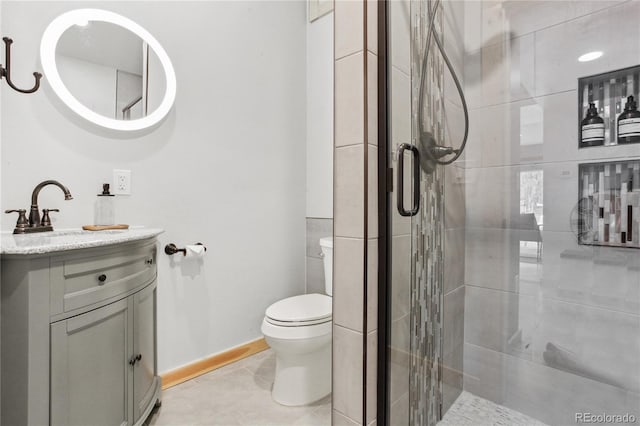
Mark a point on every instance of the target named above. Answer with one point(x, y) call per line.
point(592, 128)
point(629, 123)
point(105, 209)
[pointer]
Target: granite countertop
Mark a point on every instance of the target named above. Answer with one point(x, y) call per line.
point(70, 239)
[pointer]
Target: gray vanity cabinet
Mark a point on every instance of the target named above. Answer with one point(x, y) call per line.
point(145, 381)
point(89, 362)
point(79, 331)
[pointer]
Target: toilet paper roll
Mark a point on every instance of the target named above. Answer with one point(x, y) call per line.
point(195, 250)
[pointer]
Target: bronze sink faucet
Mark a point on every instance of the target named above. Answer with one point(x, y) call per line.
point(34, 224)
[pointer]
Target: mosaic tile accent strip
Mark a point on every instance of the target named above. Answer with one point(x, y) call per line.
point(471, 410)
point(427, 274)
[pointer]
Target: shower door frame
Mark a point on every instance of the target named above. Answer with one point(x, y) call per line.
point(385, 187)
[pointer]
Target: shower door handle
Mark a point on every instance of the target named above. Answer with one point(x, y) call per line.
point(415, 205)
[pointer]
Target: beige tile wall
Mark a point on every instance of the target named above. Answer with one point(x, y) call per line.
point(355, 213)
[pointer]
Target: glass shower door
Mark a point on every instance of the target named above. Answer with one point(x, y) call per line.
point(415, 227)
point(513, 289)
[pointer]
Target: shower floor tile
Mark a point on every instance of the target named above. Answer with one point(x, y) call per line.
point(475, 411)
point(237, 394)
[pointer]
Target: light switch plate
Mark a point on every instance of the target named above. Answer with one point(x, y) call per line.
point(121, 182)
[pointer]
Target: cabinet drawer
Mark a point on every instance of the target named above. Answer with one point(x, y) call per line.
point(81, 282)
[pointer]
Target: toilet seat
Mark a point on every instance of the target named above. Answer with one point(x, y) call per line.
point(297, 323)
point(300, 311)
point(299, 333)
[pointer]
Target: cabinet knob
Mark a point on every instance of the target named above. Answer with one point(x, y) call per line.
point(149, 261)
point(102, 278)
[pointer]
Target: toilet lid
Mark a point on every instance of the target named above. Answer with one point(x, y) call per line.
point(306, 308)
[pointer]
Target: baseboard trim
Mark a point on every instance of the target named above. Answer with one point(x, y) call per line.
point(203, 366)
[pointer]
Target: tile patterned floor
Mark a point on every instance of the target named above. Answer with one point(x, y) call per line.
point(470, 410)
point(237, 394)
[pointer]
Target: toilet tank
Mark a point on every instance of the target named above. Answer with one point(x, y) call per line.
point(326, 244)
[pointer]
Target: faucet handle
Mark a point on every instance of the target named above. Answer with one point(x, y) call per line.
point(22, 222)
point(46, 220)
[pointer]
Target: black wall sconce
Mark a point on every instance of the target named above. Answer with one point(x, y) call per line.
point(6, 70)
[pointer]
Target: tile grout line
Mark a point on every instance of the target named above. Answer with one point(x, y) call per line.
point(555, 299)
point(528, 98)
point(348, 55)
point(531, 164)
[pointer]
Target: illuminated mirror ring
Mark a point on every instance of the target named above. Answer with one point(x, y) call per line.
point(50, 39)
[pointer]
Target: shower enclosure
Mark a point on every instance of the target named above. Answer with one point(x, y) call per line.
point(509, 279)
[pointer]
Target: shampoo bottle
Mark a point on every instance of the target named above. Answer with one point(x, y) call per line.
point(105, 210)
point(592, 128)
point(629, 123)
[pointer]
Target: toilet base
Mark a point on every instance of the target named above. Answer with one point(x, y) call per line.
point(303, 370)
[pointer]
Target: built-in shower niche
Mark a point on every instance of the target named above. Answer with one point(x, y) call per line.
point(608, 210)
point(609, 92)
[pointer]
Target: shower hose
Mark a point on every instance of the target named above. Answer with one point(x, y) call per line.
point(433, 151)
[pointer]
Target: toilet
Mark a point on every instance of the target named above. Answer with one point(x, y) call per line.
point(298, 329)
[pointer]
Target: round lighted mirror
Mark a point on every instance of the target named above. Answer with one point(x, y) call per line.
point(108, 69)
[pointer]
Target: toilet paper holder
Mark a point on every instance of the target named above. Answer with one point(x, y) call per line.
point(172, 249)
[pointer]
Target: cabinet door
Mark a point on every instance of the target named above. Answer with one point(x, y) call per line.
point(144, 315)
point(91, 382)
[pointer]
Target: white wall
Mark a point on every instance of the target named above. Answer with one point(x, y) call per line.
point(224, 168)
point(320, 117)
